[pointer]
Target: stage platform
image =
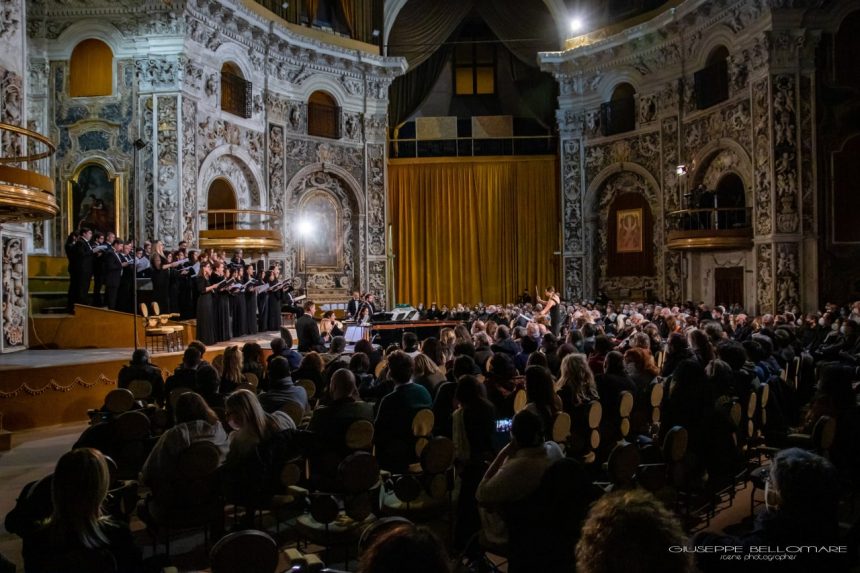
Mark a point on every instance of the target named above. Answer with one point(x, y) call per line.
point(41, 388)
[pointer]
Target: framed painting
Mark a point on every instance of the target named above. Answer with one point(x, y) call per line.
point(320, 232)
point(629, 231)
point(95, 199)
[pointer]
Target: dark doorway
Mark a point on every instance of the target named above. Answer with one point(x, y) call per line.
point(729, 285)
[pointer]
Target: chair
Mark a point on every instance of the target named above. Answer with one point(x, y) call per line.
point(119, 401)
point(585, 436)
point(359, 435)
point(176, 330)
point(520, 400)
point(423, 493)
point(339, 517)
point(624, 410)
point(422, 427)
point(249, 551)
point(140, 389)
point(656, 399)
point(621, 466)
point(309, 387)
point(155, 335)
point(191, 501)
point(377, 372)
point(294, 410)
point(252, 380)
point(561, 429)
point(132, 431)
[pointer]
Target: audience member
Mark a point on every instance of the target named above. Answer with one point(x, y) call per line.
point(140, 368)
point(281, 388)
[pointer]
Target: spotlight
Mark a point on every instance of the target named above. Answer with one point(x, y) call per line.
point(576, 24)
point(681, 169)
point(285, 5)
point(375, 33)
point(305, 227)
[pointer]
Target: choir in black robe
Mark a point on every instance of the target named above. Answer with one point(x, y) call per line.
point(273, 321)
point(160, 282)
point(237, 311)
point(223, 330)
point(205, 312)
point(250, 296)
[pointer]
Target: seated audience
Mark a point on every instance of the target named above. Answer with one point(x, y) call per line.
point(78, 532)
point(231, 371)
point(405, 544)
point(140, 368)
point(185, 375)
point(541, 397)
point(311, 369)
point(501, 385)
point(393, 435)
point(529, 345)
point(602, 347)
point(504, 343)
point(576, 384)
point(409, 344)
point(251, 424)
point(427, 374)
point(281, 388)
point(252, 360)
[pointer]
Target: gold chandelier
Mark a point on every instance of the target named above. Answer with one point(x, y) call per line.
point(25, 194)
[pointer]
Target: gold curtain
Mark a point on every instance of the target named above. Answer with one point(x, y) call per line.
point(473, 229)
point(91, 69)
point(348, 10)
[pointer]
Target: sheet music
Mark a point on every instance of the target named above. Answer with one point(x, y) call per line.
point(300, 298)
point(262, 288)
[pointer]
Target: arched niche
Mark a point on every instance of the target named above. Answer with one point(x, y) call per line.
point(91, 69)
point(220, 197)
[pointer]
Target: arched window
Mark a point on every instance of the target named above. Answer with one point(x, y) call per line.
point(91, 69)
point(619, 113)
point(221, 196)
point(235, 91)
point(712, 81)
point(323, 116)
point(731, 201)
point(846, 48)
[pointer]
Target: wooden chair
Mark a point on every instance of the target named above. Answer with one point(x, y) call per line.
point(423, 493)
point(624, 409)
point(119, 400)
point(309, 387)
point(132, 432)
point(520, 400)
point(383, 364)
point(359, 435)
point(422, 428)
point(295, 411)
point(140, 389)
point(251, 379)
point(561, 429)
point(585, 434)
point(177, 330)
point(156, 337)
point(621, 467)
point(249, 551)
point(193, 499)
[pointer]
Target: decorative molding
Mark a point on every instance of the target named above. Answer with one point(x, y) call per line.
point(764, 282)
point(14, 293)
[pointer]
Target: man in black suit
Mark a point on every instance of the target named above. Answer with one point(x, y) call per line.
point(112, 266)
point(368, 302)
point(72, 294)
point(353, 305)
point(307, 330)
point(81, 266)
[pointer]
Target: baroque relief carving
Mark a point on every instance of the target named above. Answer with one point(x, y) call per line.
point(146, 169)
point(276, 169)
point(157, 73)
point(671, 182)
point(14, 292)
point(807, 175)
point(764, 292)
point(376, 280)
point(167, 203)
point(761, 153)
point(574, 279)
point(787, 276)
point(376, 199)
point(10, 19)
point(785, 154)
point(189, 169)
point(217, 132)
point(571, 189)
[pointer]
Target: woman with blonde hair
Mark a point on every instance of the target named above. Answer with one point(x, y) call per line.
point(427, 374)
point(231, 371)
point(575, 383)
point(252, 425)
point(461, 334)
point(448, 338)
point(78, 528)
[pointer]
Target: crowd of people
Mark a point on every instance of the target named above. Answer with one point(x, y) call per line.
point(517, 488)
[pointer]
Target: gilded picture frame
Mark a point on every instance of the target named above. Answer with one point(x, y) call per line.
point(628, 236)
point(95, 198)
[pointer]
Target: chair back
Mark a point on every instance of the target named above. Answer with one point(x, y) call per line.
point(823, 433)
point(251, 379)
point(248, 551)
point(132, 425)
point(119, 400)
point(520, 400)
point(422, 427)
point(623, 463)
point(625, 404)
point(561, 428)
point(675, 444)
point(175, 394)
point(156, 310)
point(140, 389)
point(377, 372)
point(438, 455)
point(144, 311)
point(309, 386)
point(199, 460)
point(294, 410)
point(218, 363)
point(359, 435)
point(358, 472)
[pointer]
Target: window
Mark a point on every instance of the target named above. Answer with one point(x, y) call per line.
point(235, 91)
point(91, 69)
point(221, 197)
point(712, 81)
point(475, 69)
point(323, 116)
point(619, 114)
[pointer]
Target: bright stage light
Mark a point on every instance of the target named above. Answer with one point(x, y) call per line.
point(305, 227)
point(576, 24)
point(681, 170)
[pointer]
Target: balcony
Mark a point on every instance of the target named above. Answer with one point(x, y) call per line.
point(710, 229)
point(231, 229)
point(26, 195)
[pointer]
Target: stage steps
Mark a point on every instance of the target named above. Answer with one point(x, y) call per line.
point(47, 284)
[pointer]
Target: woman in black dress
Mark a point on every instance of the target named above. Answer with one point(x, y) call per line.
point(173, 282)
point(222, 304)
point(552, 307)
point(273, 321)
point(237, 302)
point(205, 306)
point(263, 304)
point(250, 300)
point(160, 277)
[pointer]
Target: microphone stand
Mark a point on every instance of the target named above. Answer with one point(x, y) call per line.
point(139, 144)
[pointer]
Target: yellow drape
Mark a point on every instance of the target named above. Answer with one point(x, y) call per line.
point(347, 7)
point(476, 229)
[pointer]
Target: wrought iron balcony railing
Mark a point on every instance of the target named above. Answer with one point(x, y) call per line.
point(26, 193)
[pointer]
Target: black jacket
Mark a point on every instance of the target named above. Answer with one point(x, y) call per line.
point(111, 268)
point(308, 333)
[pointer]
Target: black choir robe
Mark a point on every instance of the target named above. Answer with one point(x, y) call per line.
point(205, 312)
